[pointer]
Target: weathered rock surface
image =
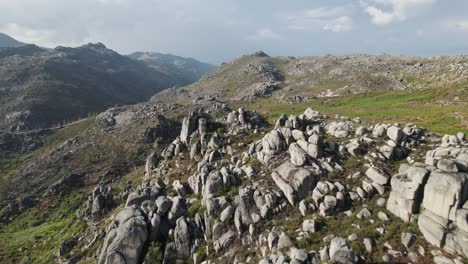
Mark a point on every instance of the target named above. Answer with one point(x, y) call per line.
point(295, 182)
point(125, 238)
point(407, 192)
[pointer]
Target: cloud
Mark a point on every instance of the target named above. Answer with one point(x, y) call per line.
point(333, 19)
point(460, 24)
point(264, 34)
point(113, 2)
point(28, 35)
point(43, 37)
point(380, 17)
point(340, 24)
point(385, 12)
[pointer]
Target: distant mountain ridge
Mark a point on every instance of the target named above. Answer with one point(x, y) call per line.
point(8, 42)
point(302, 79)
point(187, 70)
point(40, 88)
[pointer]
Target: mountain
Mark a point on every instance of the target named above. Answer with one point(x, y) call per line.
point(338, 159)
point(40, 88)
point(7, 41)
point(187, 70)
point(258, 76)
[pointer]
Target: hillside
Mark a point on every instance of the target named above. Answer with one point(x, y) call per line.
point(187, 70)
point(41, 88)
point(9, 42)
point(306, 78)
point(432, 92)
point(334, 159)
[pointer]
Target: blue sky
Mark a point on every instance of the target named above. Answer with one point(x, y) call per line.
point(220, 30)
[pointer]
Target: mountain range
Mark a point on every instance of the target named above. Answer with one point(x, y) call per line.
point(44, 87)
point(187, 70)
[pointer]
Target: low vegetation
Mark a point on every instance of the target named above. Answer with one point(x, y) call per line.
point(37, 232)
point(420, 108)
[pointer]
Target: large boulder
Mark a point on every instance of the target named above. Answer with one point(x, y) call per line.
point(444, 221)
point(340, 253)
point(310, 114)
point(224, 241)
point(445, 192)
point(189, 125)
point(242, 216)
point(151, 162)
point(298, 155)
point(295, 182)
point(395, 134)
point(457, 242)
point(379, 130)
point(338, 129)
point(312, 149)
point(182, 238)
point(214, 183)
point(125, 238)
point(271, 144)
point(433, 227)
point(407, 191)
point(377, 175)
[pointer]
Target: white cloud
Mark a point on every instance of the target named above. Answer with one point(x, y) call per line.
point(323, 12)
point(385, 12)
point(264, 34)
point(321, 19)
point(380, 17)
point(461, 24)
point(340, 24)
point(42, 37)
point(28, 35)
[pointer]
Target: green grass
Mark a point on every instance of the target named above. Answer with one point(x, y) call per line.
point(196, 207)
point(8, 166)
point(8, 169)
point(37, 232)
point(410, 79)
point(403, 107)
point(61, 134)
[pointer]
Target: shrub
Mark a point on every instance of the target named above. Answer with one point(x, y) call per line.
point(155, 253)
point(196, 207)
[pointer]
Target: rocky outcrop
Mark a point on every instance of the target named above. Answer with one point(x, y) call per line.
point(125, 238)
point(235, 204)
point(440, 188)
point(444, 195)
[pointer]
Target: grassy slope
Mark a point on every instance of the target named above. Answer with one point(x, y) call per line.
point(420, 108)
point(36, 233)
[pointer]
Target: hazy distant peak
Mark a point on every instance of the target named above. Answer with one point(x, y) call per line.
point(9, 42)
point(260, 54)
point(187, 69)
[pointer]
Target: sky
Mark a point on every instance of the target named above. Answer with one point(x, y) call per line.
point(216, 31)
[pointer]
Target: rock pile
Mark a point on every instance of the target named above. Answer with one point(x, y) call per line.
point(234, 189)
